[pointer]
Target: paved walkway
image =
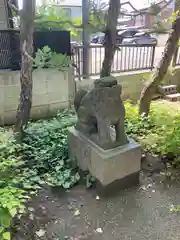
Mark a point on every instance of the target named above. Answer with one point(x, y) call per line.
point(142, 212)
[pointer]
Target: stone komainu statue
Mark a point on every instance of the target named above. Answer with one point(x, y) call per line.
point(98, 110)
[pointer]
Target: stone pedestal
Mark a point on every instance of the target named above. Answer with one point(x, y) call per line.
point(119, 166)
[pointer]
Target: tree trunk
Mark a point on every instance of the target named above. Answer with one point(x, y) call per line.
point(110, 37)
point(160, 72)
point(176, 7)
point(26, 35)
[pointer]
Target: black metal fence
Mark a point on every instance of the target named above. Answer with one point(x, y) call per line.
point(58, 41)
point(9, 49)
point(10, 57)
point(178, 58)
point(128, 58)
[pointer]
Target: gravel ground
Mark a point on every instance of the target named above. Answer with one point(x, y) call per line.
point(142, 212)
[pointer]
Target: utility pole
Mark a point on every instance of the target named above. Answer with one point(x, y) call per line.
point(174, 5)
point(85, 37)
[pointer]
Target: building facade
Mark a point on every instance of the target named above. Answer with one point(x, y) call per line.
point(73, 8)
point(148, 20)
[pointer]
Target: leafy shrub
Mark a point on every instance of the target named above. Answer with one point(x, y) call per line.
point(46, 58)
point(157, 134)
point(46, 151)
point(42, 158)
point(12, 193)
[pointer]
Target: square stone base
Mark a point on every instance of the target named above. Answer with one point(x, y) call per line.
point(119, 184)
point(107, 166)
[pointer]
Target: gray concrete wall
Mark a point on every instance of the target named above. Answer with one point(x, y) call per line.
point(3, 15)
point(52, 90)
point(133, 82)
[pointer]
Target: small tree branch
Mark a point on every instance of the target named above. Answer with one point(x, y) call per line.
point(101, 7)
point(132, 14)
point(138, 12)
point(13, 7)
point(25, 52)
point(167, 3)
point(130, 4)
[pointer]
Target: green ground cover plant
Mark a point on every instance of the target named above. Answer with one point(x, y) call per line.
point(43, 157)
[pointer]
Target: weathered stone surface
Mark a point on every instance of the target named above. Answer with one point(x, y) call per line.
point(105, 82)
point(99, 109)
point(107, 166)
point(173, 97)
point(117, 185)
point(98, 142)
point(168, 89)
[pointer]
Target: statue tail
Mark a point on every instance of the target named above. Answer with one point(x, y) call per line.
point(79, 96)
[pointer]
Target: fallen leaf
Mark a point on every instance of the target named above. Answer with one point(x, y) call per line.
point(77, 213)
point(31, 216)
point(31, 209)
point(168, 174)
point(142, 188)
point(171, 208)
point(42, 207)
point(40, 233)
point(99, 230)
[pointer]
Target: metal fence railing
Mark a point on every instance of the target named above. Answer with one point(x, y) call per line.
point(128, 58)
point(10, 56)
point(177, 60)
point(9, 49)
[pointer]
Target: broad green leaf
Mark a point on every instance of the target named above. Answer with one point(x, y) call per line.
point(6, 236)
point(13, 212)
point(66, 185)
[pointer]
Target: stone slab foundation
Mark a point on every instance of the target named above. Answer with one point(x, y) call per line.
point(114, 169)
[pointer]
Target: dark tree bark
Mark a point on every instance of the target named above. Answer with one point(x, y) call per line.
point(177, 5)
point(161, 70)
point(110, 37)
point(27, 15)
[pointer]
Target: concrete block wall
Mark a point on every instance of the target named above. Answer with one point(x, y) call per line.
point(52, 90)
point(132, 84)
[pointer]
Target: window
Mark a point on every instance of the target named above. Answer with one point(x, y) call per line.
point(67, 11)
point(129, 33)
point(142, 34)
point(147, 35)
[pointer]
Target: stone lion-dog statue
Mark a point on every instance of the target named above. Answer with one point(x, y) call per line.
point(100, 109)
